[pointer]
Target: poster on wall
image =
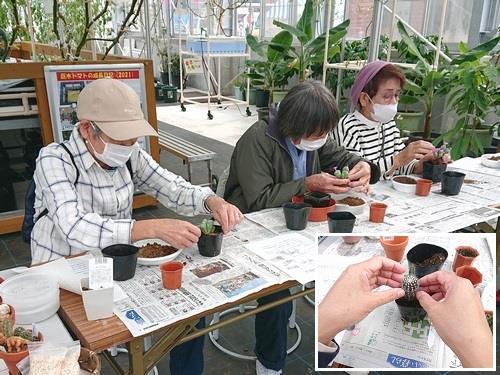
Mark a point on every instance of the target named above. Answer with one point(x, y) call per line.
point(65, 82)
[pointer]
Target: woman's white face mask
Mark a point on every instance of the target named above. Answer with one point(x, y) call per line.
point(384, 112)
point(307, 145)
point(114, 155)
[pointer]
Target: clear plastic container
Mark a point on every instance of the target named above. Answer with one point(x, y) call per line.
point(35, 296)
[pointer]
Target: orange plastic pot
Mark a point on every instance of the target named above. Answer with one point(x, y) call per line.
point(394, 247)
point(12, 359)
point(377, 212)
point(317, 214)
point(171, 274)
point(423, 187)
point(471, 273)
point(464, 256)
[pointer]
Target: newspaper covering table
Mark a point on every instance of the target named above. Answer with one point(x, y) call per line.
point(382, 339)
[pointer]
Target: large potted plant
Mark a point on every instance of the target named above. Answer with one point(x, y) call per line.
point(272, 70)
point(473, 95)
point(423, 84)
point(175, 72)
point(310, 49)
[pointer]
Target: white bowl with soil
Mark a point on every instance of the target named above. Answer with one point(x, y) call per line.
point(404, 184)
point(491, 160)
point(153, 252)
point(354, 205)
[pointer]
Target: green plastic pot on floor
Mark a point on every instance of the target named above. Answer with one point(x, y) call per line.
point(169, 94)
point(251, 96)
point(278, 96)
point(409, 121)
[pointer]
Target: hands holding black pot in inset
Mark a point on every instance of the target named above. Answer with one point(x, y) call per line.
point(456, 312)
point(352, 298)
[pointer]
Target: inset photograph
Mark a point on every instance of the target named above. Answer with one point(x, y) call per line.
point(406, 302)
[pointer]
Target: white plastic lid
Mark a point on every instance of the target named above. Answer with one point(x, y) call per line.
point(29, 290)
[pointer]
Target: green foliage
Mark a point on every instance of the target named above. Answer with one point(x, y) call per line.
point(423, 83)
point(273, 69)
point(310, 51)
point(473, 94)
point(207, 226)
point(23, 333)
point(354, 50)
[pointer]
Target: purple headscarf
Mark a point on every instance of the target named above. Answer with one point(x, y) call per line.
point(364, 76)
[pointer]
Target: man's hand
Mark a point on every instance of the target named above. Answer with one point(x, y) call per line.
point(326, 183)
point(225, 213)
point(352, 298)
point(359, 177)
point(178, 233)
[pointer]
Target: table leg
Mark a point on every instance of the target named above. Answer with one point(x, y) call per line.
point(169, 338)
point(190, 170)
point(136, 356)
point(209, 166)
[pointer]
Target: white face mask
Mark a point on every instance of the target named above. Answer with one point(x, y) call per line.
point(114, 155)
point(306, 145)
point(384, 112)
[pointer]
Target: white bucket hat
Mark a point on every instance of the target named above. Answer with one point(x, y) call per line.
point(115, 108)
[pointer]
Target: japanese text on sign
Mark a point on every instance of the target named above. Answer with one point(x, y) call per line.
point(89, 76)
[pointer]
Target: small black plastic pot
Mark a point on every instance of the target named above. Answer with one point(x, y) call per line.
point(411, 311)
point(421, 254)
point(452, 182)
point(261, 98)
point(317, 199)
point(296, 215)
point(124, 260)
point(341, 222)
point(210, 245)
point(433, 171)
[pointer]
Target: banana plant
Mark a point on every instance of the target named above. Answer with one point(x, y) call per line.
point(310, 50)
point(273, 69)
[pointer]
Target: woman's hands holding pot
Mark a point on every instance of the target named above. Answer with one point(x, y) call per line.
point(352, 298)
point(455, 309)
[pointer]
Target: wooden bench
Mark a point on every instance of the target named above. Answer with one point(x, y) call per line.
point(187, 151)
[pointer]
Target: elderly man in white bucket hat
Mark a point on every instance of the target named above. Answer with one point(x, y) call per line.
point(85, 186)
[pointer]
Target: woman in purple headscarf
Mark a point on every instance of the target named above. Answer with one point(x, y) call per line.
point(370, 130)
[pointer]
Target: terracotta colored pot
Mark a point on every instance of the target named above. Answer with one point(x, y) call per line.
point(464, 260)
point(352, 239)
point(423, 187)
point(471, 273)
point(317, 214)
point(377, 212)
point(12, 359)
point(394, 247)
point(171, 274)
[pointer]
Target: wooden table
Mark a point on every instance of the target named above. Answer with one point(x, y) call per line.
point(102, 334)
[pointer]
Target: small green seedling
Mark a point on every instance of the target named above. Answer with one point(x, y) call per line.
point(410, 285)
point(342, 174)
point(207, 226)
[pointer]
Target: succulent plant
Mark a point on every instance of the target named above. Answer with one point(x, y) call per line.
point(7, 328)
point(23, 333)
point(342, 174)
point(410, 285)
point(207, 226)
point(438, 153)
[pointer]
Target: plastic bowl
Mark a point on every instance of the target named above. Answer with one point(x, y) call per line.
point(404, 188)
point(155, 261)
point(485, 160)
point(34, 296)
